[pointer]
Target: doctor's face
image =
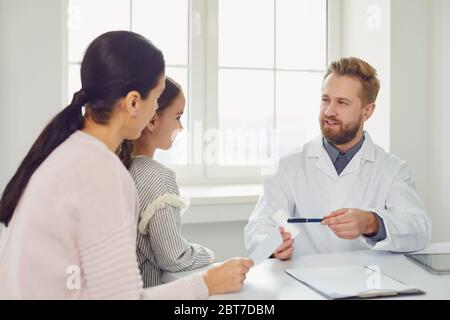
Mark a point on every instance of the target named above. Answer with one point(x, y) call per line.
point(341, 112)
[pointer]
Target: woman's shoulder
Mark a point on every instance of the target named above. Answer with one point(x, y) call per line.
point(88, 159)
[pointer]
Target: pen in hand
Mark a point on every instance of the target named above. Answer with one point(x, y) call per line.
point(304, 220)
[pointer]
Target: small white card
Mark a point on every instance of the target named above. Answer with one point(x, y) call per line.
point(280, 217)
point(267, 246)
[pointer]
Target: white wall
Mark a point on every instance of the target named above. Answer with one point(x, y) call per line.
point(220, 227)
point(31, 75)
point(411, 85)
point(438, 160)
point(365, 33)
point(226, 239)
point(419, 112)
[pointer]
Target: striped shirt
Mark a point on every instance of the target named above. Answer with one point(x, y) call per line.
point(160, 245)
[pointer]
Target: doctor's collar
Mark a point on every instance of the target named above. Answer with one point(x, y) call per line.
point(334, 152)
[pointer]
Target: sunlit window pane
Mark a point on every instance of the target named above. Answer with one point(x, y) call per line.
point(245, 115)
point(178, 154)
point(301, 34)
point(165, 23)
point(87, 19)
point(246, 33)
point(298, 103)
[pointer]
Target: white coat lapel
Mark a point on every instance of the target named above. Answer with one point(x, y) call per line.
point(367, 153)
point(323, 161)
point(353, 165)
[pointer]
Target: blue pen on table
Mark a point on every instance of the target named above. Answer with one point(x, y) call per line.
point(304, 220)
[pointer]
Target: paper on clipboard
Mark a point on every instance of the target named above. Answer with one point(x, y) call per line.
point(351, 282)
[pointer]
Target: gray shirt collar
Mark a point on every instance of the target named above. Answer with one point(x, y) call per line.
point(334, 152)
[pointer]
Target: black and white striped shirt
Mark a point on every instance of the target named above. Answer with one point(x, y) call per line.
point(160, 245)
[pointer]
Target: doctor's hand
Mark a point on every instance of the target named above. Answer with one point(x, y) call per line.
point(352, 223)
point(285, 250)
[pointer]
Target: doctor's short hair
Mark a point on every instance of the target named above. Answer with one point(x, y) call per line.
point(361, 70)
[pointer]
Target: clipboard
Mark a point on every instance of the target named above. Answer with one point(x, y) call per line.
point(351, 282)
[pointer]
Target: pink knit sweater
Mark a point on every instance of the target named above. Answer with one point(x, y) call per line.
point(73, 234)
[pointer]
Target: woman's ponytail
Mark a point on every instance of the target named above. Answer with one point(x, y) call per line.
point(56, 132)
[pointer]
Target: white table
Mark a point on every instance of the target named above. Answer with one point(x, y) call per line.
point(269, 281)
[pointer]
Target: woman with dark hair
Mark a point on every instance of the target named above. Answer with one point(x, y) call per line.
point(160, 245)
point(70, 208)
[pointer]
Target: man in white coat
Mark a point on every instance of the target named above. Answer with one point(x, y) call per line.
point(366, 196)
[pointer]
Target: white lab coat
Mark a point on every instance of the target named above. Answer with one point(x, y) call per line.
point(306, 185)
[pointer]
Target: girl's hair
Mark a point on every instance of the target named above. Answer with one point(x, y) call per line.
point(114, 64)
point(171, 91)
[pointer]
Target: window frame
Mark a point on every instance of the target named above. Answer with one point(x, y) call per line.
point(203, 88)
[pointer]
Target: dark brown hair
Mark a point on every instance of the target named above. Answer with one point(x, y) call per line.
point(114, 64)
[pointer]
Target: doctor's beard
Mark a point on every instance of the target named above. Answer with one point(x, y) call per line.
point(345, 134)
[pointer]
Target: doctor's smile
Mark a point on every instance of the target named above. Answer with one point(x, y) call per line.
point(331, 123)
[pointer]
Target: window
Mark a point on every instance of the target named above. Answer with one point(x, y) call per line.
point(251, 71)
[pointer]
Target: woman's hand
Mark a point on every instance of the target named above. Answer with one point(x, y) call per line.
point(227, 277)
